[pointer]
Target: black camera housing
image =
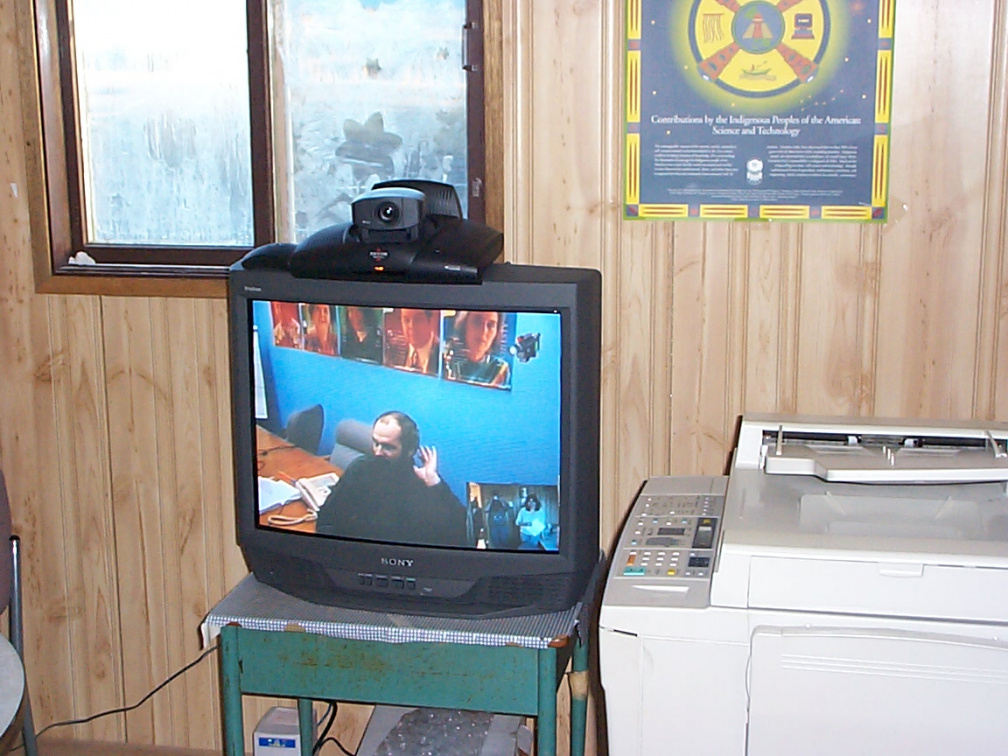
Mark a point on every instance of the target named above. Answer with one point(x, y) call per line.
point(392, 215)
point(414, 232)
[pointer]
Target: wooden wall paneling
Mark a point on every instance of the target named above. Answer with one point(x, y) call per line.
point(89, 528)
point(137, 500)
point(557, 204)
point(699, 381)
point(610, 151)
point(702, 321)
point(662, 303)
point(224, 564)
point(928, 302)
point(29, 454)
point(737, 256)
point(29, 447)
point(766, 317)
point(178, 447)
point(516, 81)
point(992, 355)
point(835, 288)
point(612, 245)
point(871, 278)
point(566, 133)
point(196, 445)
point(790, 315)
point(174, 438)
point(493, 110)
point(630, 439)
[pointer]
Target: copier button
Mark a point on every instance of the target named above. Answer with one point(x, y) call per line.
point(704, 537)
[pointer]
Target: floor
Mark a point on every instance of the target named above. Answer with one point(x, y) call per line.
point(56, 747)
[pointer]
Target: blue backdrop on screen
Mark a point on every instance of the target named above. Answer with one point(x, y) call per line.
point(482, 434)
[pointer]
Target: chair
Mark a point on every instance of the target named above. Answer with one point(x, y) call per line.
point(10, 598)
point(304, 428)
point(353, 440)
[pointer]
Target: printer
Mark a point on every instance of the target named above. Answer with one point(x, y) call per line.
point(844, 590)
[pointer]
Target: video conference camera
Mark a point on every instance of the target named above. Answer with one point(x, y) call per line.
point(403, 229)
point(392, 215)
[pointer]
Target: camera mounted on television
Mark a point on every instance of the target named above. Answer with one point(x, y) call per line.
point(402, 229)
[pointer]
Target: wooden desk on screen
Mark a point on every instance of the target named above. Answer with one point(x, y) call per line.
point(282, 460)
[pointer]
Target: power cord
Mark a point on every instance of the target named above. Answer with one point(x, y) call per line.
point(338, 745)
point(125, 709)
point(330, 716)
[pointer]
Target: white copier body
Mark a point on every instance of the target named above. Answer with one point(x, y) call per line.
point(843, 591)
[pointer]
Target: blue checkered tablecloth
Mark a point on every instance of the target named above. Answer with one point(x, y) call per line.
point(256, 606)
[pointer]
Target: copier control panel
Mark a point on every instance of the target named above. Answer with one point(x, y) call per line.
point(669, 542)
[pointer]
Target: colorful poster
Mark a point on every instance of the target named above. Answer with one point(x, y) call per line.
point(758, 110)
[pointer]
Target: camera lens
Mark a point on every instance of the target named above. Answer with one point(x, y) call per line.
point(387, 212)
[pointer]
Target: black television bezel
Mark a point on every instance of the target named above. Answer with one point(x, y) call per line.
point(499, 582)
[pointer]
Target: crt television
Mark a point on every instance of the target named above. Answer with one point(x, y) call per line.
point(423, 448)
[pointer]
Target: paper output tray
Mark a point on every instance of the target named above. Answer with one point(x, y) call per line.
point(889, 464)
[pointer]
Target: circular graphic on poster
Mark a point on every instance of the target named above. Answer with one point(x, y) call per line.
point(758, 48)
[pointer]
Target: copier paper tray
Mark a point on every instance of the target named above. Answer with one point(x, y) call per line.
point(867, 517)
point(888, 454)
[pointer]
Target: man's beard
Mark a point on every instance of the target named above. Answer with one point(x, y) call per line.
point(395, 464)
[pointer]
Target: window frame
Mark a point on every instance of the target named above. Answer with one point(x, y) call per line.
point(52, 140)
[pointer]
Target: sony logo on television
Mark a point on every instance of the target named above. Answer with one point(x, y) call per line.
point(393, 562)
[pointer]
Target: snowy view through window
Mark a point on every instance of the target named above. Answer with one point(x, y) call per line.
point(375, 90)
point(365, 90)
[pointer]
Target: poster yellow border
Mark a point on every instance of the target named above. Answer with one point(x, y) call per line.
point(877, 212)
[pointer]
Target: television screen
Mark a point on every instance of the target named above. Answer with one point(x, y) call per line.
point(421, 447)
point(435, 427)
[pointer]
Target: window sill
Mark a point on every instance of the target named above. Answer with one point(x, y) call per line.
point(134, 281)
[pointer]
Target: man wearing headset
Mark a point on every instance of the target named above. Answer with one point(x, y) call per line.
point(395, 494)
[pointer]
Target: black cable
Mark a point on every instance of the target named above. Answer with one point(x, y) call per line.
point(125, 709)
point(328, 711)
point(331, 714)
point(338, 745)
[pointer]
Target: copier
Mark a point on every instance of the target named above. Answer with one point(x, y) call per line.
point(844, 590)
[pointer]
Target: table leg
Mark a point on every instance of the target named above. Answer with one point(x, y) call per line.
point(305, 718)
point(578, 680)
point(230, 671)
point(546, 718)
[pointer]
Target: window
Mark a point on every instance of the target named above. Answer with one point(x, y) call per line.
point(177, 136)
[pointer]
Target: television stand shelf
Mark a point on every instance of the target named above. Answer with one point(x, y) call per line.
point(276, 645)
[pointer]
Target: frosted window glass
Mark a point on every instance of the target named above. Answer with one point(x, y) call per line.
point(368, 90)
point(164, 115)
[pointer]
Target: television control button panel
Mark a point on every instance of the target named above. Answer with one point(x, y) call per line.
point(669, 543)
point(389, 582)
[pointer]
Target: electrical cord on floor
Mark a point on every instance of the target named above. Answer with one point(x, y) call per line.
point(329, 715)
point(338, 745)
point(125, 709)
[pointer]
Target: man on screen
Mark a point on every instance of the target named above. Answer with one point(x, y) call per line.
point(395, 494)
point(420, 330)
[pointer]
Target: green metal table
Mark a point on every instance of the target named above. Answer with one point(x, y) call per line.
point(273, 644)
